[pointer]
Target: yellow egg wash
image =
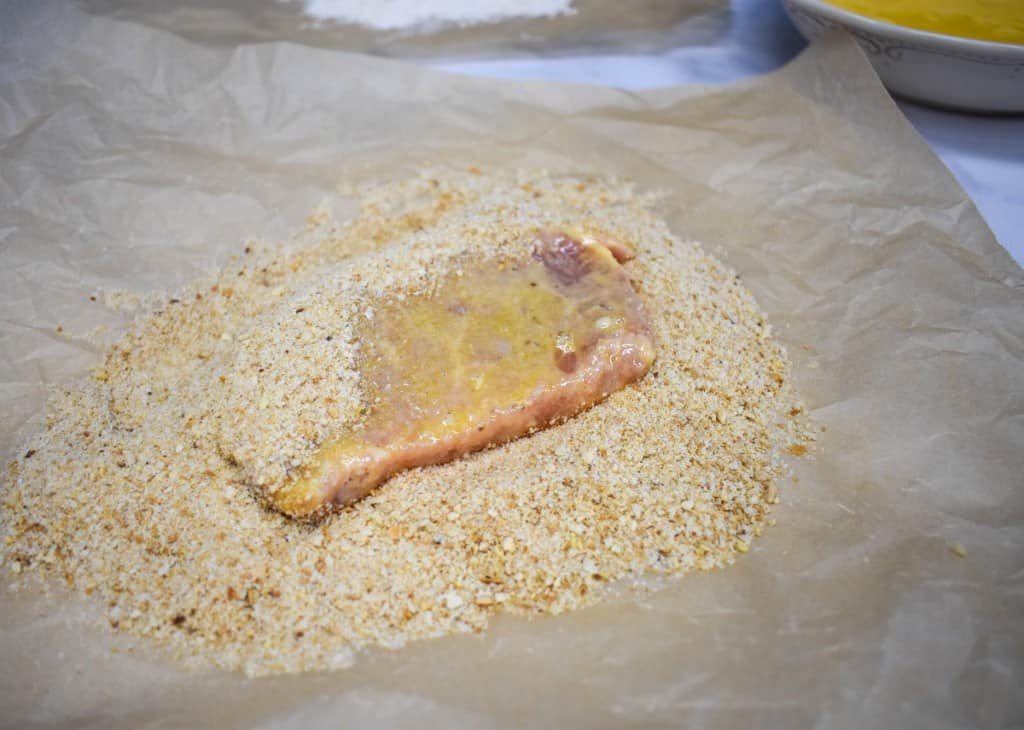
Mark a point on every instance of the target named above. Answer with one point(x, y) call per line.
point(441, 364)
point(1001, 21)
point(491, 337)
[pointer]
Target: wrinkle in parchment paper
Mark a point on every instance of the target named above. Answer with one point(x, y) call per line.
point(131, 159)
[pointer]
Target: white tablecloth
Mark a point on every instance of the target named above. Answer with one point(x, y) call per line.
point(985, 153)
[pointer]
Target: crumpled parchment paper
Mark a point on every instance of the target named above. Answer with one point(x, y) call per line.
point(132, 159)
point(637, 25)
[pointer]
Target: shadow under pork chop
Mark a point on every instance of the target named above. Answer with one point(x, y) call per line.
point(501, 348)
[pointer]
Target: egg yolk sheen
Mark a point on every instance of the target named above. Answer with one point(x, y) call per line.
point(1001, 21)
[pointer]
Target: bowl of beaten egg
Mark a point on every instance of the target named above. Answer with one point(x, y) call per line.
point(962, 54)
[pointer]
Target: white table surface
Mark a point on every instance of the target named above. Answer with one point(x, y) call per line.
point(986, 154)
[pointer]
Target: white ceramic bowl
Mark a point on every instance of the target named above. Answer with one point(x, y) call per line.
point(937, 69)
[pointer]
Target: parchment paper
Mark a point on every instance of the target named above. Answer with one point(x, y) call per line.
point(129, 158)
point(610, 25)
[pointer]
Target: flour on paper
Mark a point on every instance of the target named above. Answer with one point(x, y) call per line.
point(425, 15)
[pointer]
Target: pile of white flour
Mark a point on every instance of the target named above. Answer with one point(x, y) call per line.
point(425, 15)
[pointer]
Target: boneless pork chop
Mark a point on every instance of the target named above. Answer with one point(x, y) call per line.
point(501, 348)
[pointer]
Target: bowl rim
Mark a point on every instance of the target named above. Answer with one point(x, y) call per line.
point(959, 44)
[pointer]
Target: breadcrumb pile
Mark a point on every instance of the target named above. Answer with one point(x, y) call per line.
point(142, 491)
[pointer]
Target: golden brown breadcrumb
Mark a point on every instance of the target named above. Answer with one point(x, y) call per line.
point(138, 491)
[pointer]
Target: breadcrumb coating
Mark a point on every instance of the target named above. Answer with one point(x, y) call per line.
point(142, 491)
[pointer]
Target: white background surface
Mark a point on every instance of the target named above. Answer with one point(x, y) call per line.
point(986, 154)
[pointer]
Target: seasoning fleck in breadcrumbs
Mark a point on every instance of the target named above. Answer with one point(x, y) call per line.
point(139, 492)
